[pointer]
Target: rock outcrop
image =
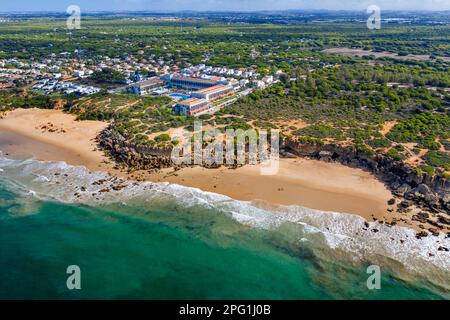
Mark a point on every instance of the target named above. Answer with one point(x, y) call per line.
point(134, 157)
point(431, 192)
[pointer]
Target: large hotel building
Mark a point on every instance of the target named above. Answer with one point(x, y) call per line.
point(188, 83)
point(214, 93)
point(192, 107)
point(203, 91)
point(145, 87)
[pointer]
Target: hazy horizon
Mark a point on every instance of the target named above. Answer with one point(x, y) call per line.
point(217, 11)
point(223, 5)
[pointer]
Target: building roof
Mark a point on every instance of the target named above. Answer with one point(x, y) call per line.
point(192, 112)
point(214, 89)
point(192, 102)
point(198, 80)
point(147, 83)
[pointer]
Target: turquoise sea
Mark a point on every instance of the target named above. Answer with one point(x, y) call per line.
point(159, 241)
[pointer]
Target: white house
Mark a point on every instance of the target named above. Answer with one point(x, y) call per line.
point(78, 73)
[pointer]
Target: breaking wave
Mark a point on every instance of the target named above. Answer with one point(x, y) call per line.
point(332, 235)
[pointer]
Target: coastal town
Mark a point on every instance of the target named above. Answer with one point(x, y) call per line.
point(195, 90)
point(325, 101)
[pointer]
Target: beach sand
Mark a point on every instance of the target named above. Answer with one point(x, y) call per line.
point(72, 141)
point(309, 183)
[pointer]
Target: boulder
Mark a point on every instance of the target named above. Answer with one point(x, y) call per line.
point(421, 234)
point(444, 220)
point(325, 155)
point(405, 204)
point(431, 199)
point(421, 217)
point(423, 189)
point(434, 231)
point(404, 188)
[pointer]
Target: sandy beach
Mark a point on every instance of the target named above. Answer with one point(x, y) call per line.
point(51, 135)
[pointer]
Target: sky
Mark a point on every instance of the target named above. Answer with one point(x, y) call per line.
point(219, 5)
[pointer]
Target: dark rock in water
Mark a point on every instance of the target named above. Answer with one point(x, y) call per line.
point(421, 234)
point(391, 202)
point(366, 224)
point(404, 210)
point(375, 230)
point(444, 220)
point(443, 249)
point(434, 232)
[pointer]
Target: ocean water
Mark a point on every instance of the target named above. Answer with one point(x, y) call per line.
point(161, 241)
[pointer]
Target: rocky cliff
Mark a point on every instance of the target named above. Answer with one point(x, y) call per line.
point(428, 192)
point(135, 157)
point(432, 192)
